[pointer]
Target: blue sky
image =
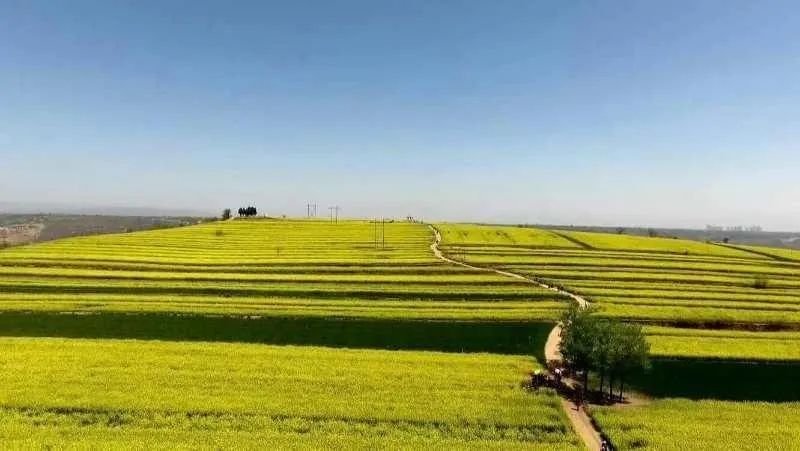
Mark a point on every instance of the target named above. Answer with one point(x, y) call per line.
point(638, 113)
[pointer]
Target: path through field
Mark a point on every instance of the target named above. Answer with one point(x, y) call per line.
point(581, 422)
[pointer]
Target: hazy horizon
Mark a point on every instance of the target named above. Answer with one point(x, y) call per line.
point(677, 114)
point(299, 212)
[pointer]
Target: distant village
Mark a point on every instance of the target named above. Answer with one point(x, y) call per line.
point(19, 233)
point(715, 228)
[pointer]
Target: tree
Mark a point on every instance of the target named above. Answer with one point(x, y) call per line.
point(578, 328)
point(603, 344)
point(629, 353)
point(226, 214)
point(248, 211)
point(609, 347)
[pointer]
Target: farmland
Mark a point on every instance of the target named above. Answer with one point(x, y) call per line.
point(91, 393)
point(295, 333)
point(711, 425)
point(723, 324)
point(316, 334)
point(780, 253)
point(649, 279)
point(266, 268)
point(723, 344)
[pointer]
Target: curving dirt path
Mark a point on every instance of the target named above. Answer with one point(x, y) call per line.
point(438, 253)
point(580, 420)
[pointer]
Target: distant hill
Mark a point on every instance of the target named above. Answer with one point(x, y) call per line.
point(69, 209)
point(45, 227)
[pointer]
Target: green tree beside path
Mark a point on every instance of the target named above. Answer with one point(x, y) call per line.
point(610, 348)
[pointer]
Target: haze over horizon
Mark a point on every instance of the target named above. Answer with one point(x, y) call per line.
point(668, 115)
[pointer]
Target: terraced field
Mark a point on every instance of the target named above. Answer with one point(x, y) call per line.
point(781, 254)
point(79, 364)
point(212, 309)
point(277, 268)
point(652, 279)
point(724, 327)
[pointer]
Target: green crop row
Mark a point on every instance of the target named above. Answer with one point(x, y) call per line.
point(787, 254)
point(678, 291)
point(438, 268)
point(736, 305)
point(701, 314)
point(388, 289)
point(610, 241)
point(661, 277)
point(533, 255)
point(723, 344)
point(665, 266)
point(282, 306)
point(434, 277)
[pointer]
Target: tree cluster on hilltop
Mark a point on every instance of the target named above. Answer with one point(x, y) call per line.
point(248, 211)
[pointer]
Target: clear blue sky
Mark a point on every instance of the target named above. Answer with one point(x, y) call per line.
point(640, 113)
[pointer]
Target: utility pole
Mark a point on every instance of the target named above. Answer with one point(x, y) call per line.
point(375, 233)
point(336, 209)
point(379, 233)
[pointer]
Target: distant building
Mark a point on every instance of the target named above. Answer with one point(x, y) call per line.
point(713, 228)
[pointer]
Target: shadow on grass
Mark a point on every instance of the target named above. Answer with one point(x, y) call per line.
point(495, 337)
point(722, 380)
